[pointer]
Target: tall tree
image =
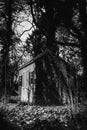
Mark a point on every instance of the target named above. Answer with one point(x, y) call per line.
point(6, 37)
point(48, 16)
point(53, 15)
point(83, 39)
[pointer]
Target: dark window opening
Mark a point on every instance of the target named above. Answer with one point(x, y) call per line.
point(31, 78)
point(20, 80)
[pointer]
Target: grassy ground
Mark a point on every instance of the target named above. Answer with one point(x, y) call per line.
point(41, 117)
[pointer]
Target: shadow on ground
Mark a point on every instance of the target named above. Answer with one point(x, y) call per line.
point(38, 125)
point(77, 122)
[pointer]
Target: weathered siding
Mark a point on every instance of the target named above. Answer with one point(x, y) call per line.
point(27, 93)
point(29, 68)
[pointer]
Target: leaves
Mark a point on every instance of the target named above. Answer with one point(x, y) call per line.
point(29, 116)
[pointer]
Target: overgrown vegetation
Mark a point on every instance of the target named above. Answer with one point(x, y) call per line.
point(42, 117)
point(57, 42)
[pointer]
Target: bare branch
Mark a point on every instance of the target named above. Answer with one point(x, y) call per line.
point(25, 31)
point(32, 13)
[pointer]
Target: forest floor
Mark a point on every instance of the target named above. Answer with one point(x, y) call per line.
point(25, 117)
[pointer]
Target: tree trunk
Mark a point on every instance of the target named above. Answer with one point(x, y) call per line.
point(83, 17)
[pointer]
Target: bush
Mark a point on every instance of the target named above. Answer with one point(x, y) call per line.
point(13, 99)
point(79, 122)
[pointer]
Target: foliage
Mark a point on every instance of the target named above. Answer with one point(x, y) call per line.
point(32, 117)
point(59, 31)
point(7, 40)
point(50, 20)
point(14, 116)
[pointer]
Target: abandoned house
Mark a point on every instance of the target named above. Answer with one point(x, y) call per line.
point(27, 82)
point(27, 77)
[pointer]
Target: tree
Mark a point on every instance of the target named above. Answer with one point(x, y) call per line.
point(58, 24)
point(83, 40)
point(43, 14)
point(48, 18)
point(6, 42)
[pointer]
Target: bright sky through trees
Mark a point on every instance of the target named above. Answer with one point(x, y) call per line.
point(23, 25)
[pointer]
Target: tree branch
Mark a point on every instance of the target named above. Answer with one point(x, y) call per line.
point(78, 33)
point(32, 13)
point(34, 20)
point(68, 44)
point(25, 31)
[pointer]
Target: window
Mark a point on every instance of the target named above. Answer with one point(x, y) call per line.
point(20, 80)
point(31, 78)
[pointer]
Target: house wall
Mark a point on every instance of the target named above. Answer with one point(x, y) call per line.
point(26, 88)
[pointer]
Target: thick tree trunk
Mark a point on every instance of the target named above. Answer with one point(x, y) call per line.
point(83, 17)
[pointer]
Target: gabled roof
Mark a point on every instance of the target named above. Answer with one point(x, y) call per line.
point(32, 61)
point(70, 68)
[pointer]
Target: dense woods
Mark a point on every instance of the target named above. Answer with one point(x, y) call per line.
point(59, 34)
point(54, 33)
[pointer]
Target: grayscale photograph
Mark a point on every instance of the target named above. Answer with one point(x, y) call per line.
point(43, 64)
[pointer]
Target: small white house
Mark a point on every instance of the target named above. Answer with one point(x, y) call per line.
point(27, 82)
point(66, 82)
